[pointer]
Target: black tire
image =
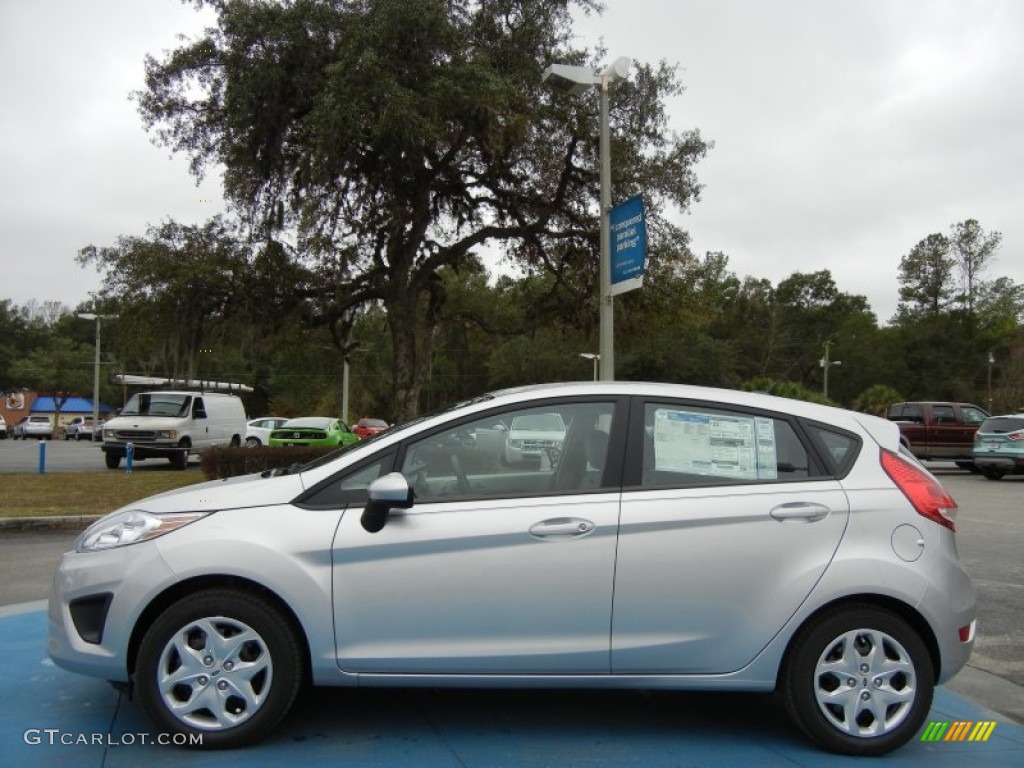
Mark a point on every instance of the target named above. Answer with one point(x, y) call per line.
point(236, 441)
point(815, 686)
point(252, 442)
point(112, 460)
point(992, 474)
point(179, 459)
point(245, 706)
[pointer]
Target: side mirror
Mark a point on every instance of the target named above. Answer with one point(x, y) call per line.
point(385, 493)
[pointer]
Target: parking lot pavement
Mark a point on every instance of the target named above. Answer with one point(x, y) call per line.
point(52, 717)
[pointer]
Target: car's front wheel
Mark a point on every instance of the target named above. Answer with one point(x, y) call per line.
point(992, 474)
point(858, 680)
point(222, 663)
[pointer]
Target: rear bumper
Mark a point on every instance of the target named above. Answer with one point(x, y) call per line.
point(1003, 463)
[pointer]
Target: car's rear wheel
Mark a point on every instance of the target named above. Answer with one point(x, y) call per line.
point(252, 442)
point(992, 474)
point(858, 680)
point(223, 663)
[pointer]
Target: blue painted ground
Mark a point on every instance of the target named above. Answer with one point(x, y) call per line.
point(460, 729)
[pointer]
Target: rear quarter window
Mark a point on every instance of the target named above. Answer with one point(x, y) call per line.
point(838, 448)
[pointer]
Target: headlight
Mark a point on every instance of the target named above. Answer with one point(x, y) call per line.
point(167, 434)
point(131, 527)
point(108, 434)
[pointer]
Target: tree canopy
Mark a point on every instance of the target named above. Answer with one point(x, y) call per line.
point(391, 139)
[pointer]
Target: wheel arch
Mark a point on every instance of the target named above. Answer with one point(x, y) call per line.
point(213, 581)
point(897, 607)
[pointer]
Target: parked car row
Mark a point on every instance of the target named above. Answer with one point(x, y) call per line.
point(276, 432)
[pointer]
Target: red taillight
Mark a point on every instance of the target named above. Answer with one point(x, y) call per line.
point(921, 489)
point(1018, 435)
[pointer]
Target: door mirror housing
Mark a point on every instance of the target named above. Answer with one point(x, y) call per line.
point(390, 491)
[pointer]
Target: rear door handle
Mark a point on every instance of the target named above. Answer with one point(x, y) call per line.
point(561, 528)
point(800, 511)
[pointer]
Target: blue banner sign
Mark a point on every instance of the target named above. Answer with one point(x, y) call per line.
point(628, 245)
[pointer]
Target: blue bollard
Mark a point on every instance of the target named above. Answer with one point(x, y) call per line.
point(129, 454)
point(42, 457)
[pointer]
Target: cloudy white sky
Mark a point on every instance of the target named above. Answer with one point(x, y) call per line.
point(845, 130)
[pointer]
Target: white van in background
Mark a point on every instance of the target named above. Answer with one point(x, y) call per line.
point(172, 425)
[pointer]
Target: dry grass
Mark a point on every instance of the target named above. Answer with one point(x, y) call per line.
point(26, 494)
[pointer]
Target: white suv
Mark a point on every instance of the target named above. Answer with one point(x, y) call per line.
point(34, 426)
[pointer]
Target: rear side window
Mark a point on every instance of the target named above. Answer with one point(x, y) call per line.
point(1000, 425)
point(698, 446)
point(943, 414)
point(839, 448)
point(906, 412)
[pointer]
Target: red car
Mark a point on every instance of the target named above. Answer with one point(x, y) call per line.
point(369, 427)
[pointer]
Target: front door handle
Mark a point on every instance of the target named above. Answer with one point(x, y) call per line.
point(799, 511)
point(561, 528)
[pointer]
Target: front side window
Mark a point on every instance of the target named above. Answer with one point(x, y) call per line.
point(349, 487)
point(528, 451)
point(690, 446)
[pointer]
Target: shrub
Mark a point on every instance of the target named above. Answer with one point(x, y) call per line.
point(219, 463)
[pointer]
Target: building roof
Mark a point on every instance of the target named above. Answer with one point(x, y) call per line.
point(46, 404)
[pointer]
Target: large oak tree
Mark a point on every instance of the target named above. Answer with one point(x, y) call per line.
point(389, 139)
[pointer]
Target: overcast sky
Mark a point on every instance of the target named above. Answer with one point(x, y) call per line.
point(845, 131)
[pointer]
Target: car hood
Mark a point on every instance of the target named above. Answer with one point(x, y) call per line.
point(535, 434)
point(232, 493)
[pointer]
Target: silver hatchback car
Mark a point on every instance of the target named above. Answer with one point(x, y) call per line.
point(677, 537)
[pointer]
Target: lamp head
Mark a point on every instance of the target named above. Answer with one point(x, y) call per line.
point(570, 79)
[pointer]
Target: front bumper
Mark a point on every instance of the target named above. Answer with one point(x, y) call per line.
point(144, 450)
point(119, 581)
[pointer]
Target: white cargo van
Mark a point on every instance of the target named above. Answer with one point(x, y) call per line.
point(172, 425)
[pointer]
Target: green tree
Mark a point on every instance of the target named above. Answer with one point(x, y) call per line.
point(876, 399)
point(926, 279)
point(171, 289)
point(60, 369)
point(395, 137)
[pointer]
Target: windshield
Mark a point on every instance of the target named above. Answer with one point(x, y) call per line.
point(157, 404)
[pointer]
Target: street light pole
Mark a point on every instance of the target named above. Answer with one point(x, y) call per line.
point(575, 80)
point(991, 360)
point(95, 370)
point(826, 364)
point(606, 356)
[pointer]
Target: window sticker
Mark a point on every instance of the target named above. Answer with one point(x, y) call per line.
point(740, 447)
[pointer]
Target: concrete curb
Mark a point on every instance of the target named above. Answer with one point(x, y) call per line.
point(53, 523)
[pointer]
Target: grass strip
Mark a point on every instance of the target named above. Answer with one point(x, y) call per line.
point(25, 494)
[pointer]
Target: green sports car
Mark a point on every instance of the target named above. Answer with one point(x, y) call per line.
point(312, 430)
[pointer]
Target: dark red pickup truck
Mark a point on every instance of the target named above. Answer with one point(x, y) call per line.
point(942, 431)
